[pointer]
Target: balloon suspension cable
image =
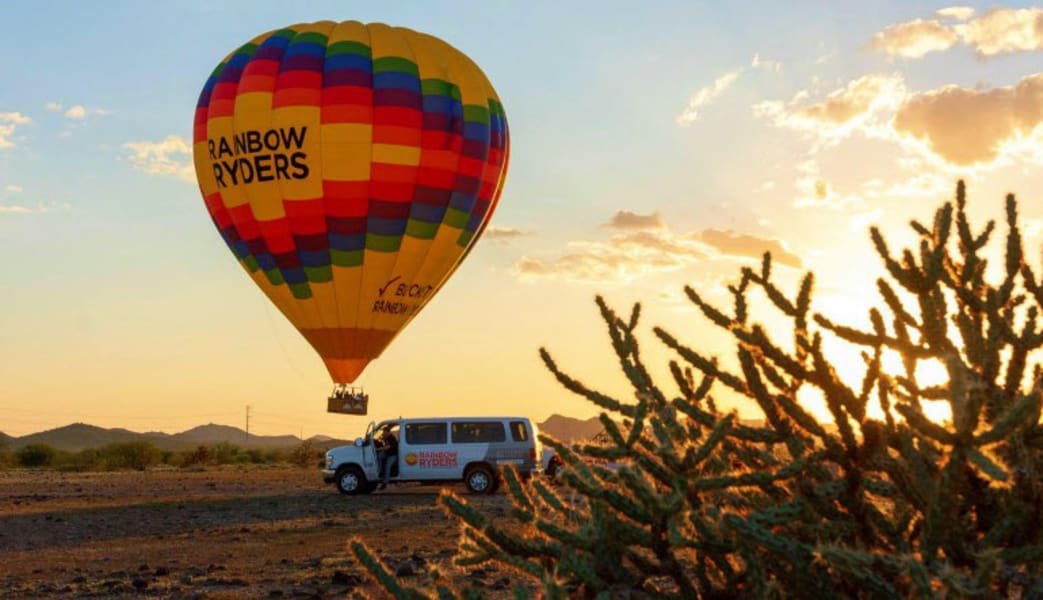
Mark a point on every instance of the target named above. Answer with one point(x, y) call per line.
point(348, 400)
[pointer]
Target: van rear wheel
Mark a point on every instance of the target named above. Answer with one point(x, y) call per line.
point(351, 480)
point(480, 480)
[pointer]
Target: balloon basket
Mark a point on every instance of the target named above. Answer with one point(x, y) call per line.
point(348, 401)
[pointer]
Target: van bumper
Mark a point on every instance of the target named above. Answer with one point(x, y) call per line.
point(328, 475)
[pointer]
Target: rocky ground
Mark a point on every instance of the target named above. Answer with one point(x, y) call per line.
point(246, 533)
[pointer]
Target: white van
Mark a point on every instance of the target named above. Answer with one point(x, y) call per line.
point(436, 450)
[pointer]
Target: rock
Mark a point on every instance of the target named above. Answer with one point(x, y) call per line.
point(478, 574)
point(162, 571)
point(139, 583)
point(405, 570)
point(143, 567)
point(79, 579)
point(275, 593)
point(186, 580)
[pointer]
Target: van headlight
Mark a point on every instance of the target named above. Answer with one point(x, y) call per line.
point(329, 460)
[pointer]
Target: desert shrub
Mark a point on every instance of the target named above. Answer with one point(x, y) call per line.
point(89, 459)
point(37, 455)
point(199, 456)
point(263, 456)
point(897, 506)
point(305, 455)
point(138, 455)
point(8, 459)
point(225, 453)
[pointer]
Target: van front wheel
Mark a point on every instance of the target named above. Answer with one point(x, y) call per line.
point(480, 480)
point(350, 480)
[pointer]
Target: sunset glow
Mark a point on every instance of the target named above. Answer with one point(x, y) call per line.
point(711, 135)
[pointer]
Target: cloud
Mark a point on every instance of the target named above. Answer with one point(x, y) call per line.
point(503, 234)
point(999, 31)
point(8, 207)
point(960, 13)
point(53, 106)
point(168, 157)
point(76, 112)
point(637, 253)
point(860, 105)
point(965, 126)
point(9, 121)
point(748, 246)
point(1004, 30)
point(622, 259)
point(914, 39)
point(767, 65)
point(15, 118)
point(629, 220)
point(704, 96)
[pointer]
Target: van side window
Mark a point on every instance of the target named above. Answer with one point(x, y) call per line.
point(425, 433)
point(518, 431)
point(478, 432)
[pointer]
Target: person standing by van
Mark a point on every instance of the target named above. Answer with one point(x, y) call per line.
point(389, 450)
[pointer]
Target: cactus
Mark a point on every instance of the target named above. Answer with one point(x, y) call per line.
point(703, 506)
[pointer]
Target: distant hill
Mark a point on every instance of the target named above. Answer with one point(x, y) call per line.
point(214, 434)
point(79, 436)
point(6, 441)
point(568, 429)
point(76, 437)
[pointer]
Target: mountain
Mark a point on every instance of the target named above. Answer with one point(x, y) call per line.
point(6, 441)
point(568, 429)
point(76, 437)
point(79, 436)
point(214, 434)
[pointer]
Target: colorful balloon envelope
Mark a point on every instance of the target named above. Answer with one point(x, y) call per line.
point(350, 167)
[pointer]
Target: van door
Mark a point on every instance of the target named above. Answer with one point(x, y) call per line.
point(425, 454)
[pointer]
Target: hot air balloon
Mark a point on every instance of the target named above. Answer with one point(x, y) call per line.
point(349, 167)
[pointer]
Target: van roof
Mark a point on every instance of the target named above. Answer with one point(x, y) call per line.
point(407, 419)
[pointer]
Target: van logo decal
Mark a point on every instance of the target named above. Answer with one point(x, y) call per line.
point(411, 459)
point(436, 459)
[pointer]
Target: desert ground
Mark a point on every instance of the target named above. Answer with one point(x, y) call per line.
point(222, 533)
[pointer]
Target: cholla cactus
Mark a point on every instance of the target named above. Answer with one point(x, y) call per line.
point(703, 506)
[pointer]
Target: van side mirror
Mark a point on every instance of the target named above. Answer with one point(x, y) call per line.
point(358, 442)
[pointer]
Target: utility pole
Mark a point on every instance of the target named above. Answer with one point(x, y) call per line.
point(247, 424)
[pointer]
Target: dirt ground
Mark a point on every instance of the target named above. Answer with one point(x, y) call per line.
point(231, 533)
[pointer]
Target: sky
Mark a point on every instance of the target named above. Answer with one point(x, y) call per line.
point(652, 147)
